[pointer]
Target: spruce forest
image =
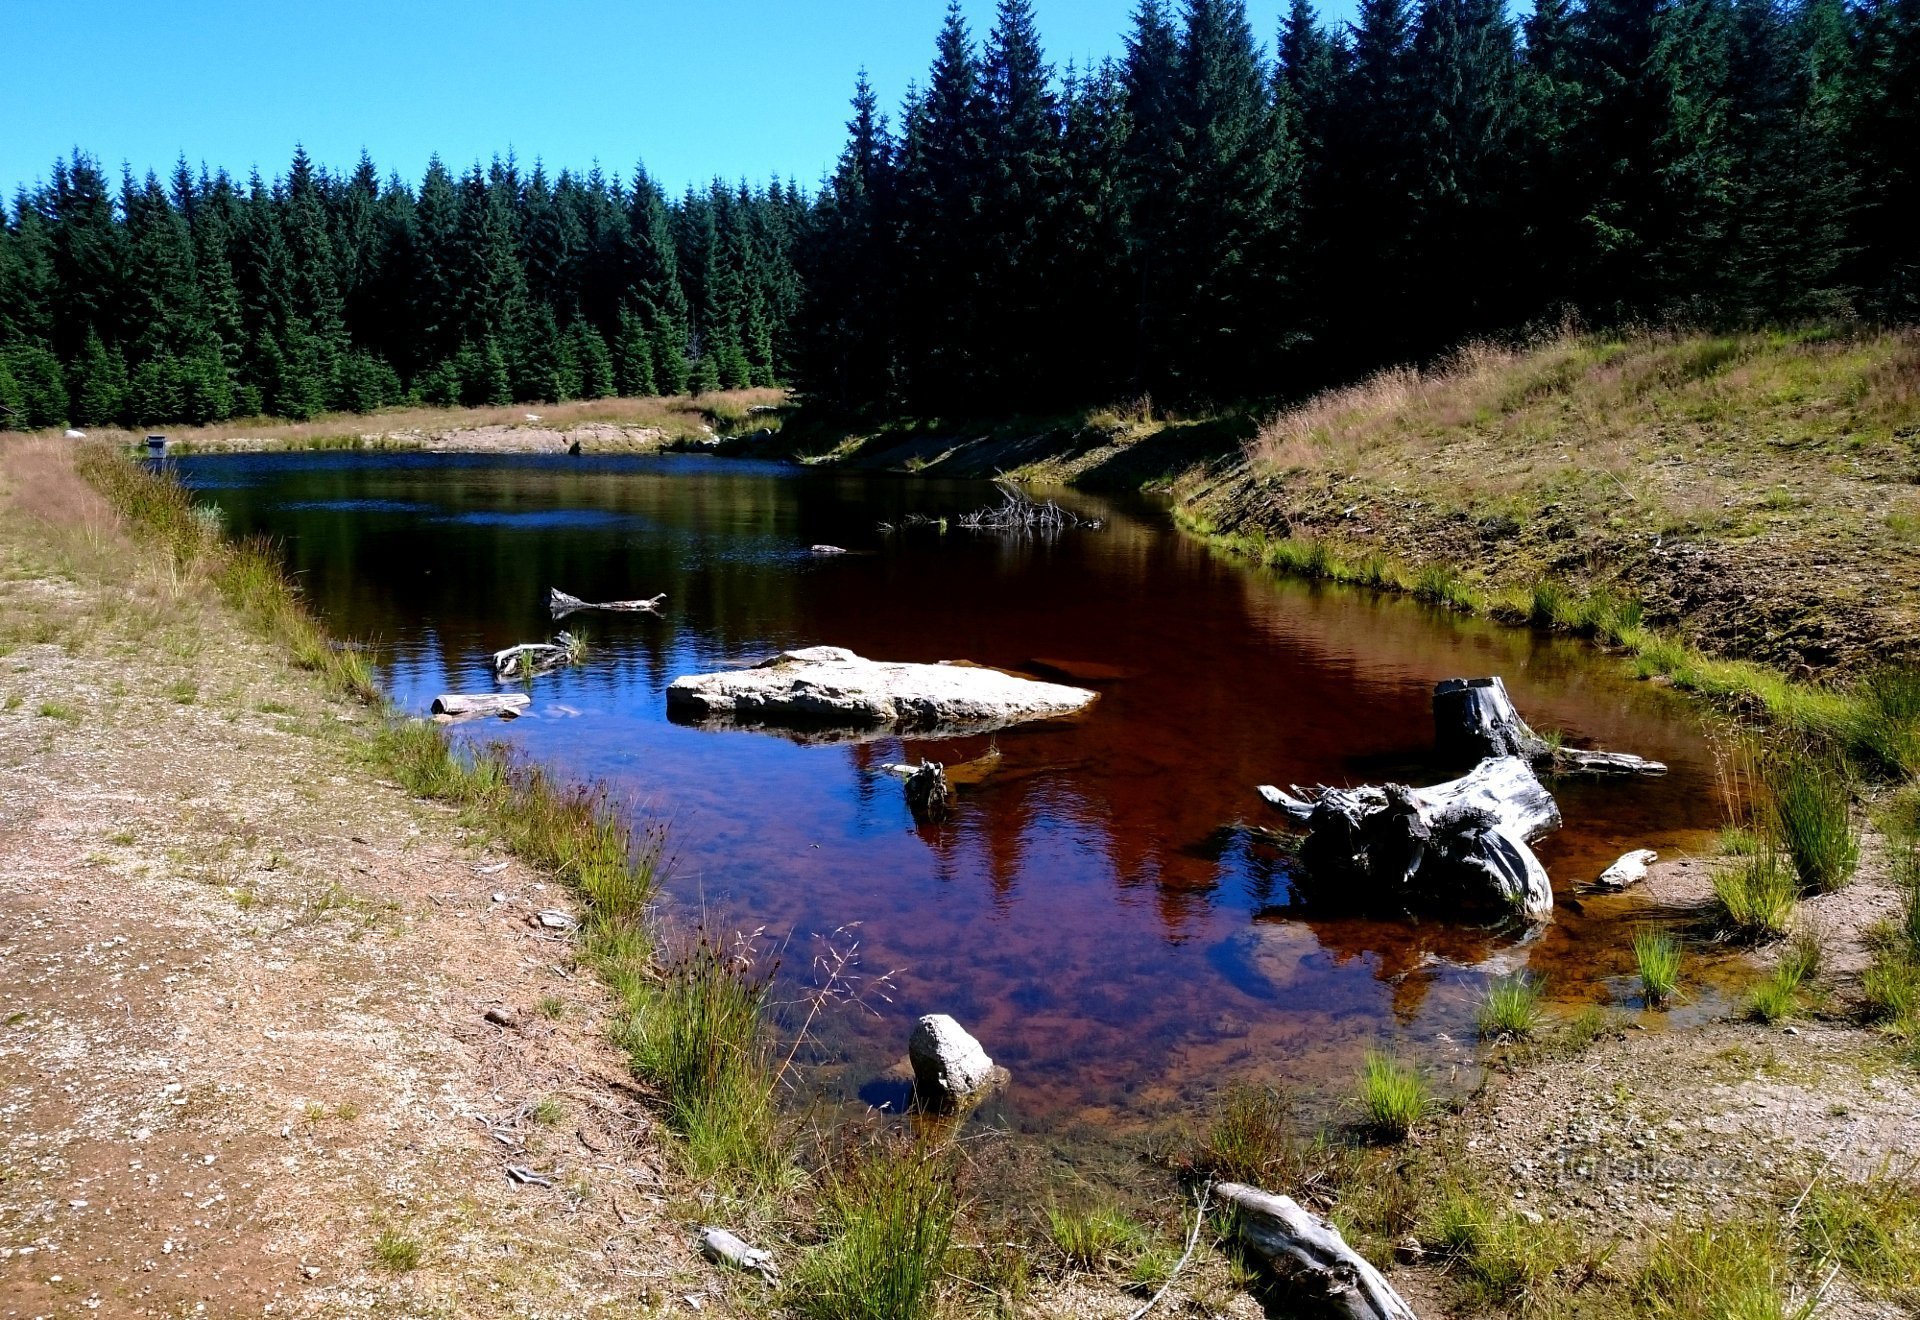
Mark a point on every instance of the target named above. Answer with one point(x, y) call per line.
point(1207, 220)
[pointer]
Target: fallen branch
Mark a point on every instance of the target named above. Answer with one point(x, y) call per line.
point(1017, 513)
point(561, 604)
point(1193, 1238)
point(531, 658)
point(1311, 1257)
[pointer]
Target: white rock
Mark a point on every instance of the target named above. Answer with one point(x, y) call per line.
point(1630, 870)
point(829, 687)
point(75, 435)
point(948, 1064)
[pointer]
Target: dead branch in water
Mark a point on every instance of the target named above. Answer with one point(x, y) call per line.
point(1017, 513)
point(531, 658)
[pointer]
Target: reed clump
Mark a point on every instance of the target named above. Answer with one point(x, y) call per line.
point(1656, 953)
point(1393, 1097)
point(1756, 896)
point(1810, 814)
point(1511, 1008)
point(889, 1211)
point(698, 1037)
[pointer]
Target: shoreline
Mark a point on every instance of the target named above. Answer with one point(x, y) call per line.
point(1794, 1066)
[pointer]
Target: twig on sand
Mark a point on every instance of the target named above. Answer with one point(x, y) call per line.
point(1193, 1238)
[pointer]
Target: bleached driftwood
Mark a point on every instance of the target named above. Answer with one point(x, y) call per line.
point(561, 604)
point(458, 704)
point(1474, 718)
point(1457, 846)
point(1630, 870)
point(723, 1248)
point(530, 658)
point(1017, 513)
point(1310, 1257)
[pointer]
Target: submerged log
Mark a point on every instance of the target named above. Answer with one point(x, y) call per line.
point(1474, 718)
point(1310, 1257)
point(1457, 846)
point(561, 604)
point(508, 704)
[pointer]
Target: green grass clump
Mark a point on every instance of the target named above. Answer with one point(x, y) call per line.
point(1731, 1271)
point(1093, 1239)
point(1442, 585)
point(1756, 896)
point(1890, 989)
point(1393, 1097)
point(1254, 1139)
point(396, 1251)
point(1810, 810)
point(1882, 733)
point(1776, 997)
point(1870, 1229)
point(890, 1213)
point(1505, 1259)
point(1511, 1008)
point(698, 1038)
point(1657, 954)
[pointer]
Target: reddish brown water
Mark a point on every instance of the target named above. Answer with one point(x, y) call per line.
point(1090, 912)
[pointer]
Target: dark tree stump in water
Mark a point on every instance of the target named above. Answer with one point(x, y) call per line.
point(1474, 718)
point(1453, 848)
point(929, 796)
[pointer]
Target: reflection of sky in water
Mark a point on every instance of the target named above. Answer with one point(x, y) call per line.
point(1095, 911)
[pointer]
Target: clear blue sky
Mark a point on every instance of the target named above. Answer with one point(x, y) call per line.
point(695, 88)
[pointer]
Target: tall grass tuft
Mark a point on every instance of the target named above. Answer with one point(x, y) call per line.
point(1756, 896)
point(1719, 1271)
point(1882, 731)
point(1810, 813)
point(1254, 1139)
point(890, 1212)
point(1093, 1239)
point(698, 1038)
point(1393, 1097)
point(1657, 954)
point(1511, 1007)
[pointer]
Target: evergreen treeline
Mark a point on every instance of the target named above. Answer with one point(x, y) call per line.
point(1193, 221)
point(1197, 221)
point(203, 298)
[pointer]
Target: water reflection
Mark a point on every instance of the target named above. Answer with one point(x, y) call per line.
point(1095, 909)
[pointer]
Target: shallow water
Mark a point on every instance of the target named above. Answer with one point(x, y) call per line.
point(1091, 912)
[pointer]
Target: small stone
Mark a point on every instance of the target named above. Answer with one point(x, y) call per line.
point(499, 897)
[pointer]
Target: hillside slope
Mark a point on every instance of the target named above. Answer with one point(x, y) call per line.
point(1755, 493)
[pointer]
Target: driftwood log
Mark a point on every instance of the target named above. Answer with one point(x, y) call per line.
point(1474, 718)
point(1460, 846)
point(529, 658)
point(1630, 870)
point(460, 704)
point(1310, 1257)
point(560, 604)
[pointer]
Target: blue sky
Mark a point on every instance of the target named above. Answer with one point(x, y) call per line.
point(697, 88)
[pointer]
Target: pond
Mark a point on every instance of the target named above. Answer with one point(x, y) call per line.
point(1094, 910)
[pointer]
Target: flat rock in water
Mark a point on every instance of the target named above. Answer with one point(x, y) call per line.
point(828, 687)
point(1630, 870)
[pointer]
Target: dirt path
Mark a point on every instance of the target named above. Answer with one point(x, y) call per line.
point(245, 1063)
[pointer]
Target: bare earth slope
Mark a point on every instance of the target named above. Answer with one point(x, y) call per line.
point(243, 988)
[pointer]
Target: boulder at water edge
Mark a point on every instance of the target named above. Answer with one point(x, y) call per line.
point(949, 1066)
point(830, 687)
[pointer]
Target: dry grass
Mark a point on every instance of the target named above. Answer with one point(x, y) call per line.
point(677, 416)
